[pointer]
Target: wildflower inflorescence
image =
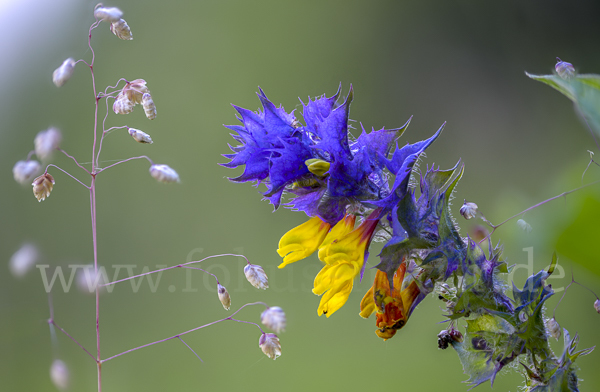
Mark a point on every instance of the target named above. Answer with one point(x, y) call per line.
point(269, 344)
point(224, 296)
point(63, 73)
point(334, 179)
point(274, 318)
point(42, 186)
point(337, 180)
point(23, 171)
point(60, 375)
point(564, 70)
point(23, 260)
point(255, 274)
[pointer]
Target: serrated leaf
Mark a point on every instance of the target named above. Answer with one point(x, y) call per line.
point(435, 180)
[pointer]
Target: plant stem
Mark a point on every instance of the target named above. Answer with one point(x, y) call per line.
point(95, 244)
point(67, 173)
point(174, 266)
point(126, 160)
point(178, 336)
point(494, 227)
point(93, 208)
point(53, 323)
point(73, 158)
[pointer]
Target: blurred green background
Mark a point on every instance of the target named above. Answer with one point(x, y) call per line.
point(462, 62)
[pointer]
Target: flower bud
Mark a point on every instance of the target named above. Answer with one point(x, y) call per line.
point(446, 337)
point(564, 70)
point(135, 90)
point(139, 136)
point(63, 73)
point(553, 328)
point(256, 276)
point(163, 173)
point(274, 318)
point(108, 14)
point(444, 291)
point(456, 335)
point(23, 260)
point(317, 167)
point(121, 29)
point(149, 106)
point(468, 210)
point(23, 171)
point(42, 186)
point(224, 296)
point(269, 344)
point(526, 227)
point(46, 142)
point(523, 317)
point(123, 105)
point(59, 374)
point(597, 305)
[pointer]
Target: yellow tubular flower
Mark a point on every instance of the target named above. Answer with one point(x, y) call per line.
point(336, 282)
point(338, 231)
point(302, 241)
point(344, 260)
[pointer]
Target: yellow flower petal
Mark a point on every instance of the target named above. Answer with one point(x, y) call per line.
point(367, 305)
point(338, 231)
point(409, 295)
point(302, 241)
point(344, 260)
point(323, 280)
point(335, 298)
point(353, 244)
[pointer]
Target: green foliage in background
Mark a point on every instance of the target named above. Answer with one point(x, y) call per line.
point(583, 90)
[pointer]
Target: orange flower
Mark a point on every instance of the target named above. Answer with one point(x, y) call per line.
point(392, 308)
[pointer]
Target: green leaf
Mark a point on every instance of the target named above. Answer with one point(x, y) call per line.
point(583, 90)
point(393, 254)
point(561, 376)
point(487, 347)
point(437, 179)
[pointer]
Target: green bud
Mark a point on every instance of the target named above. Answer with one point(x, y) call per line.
point(317, 167)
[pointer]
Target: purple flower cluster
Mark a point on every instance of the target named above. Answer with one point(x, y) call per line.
point(275, 148)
